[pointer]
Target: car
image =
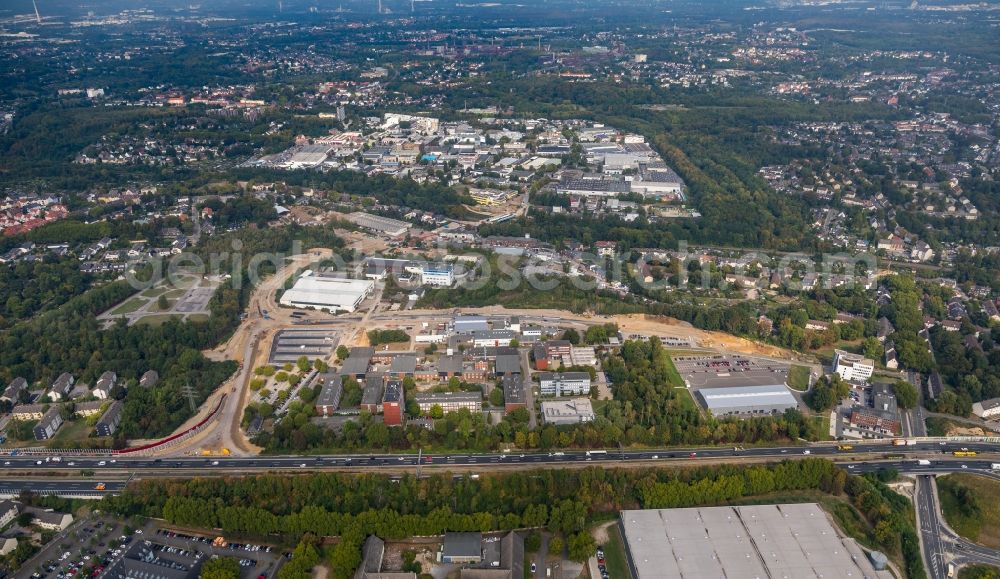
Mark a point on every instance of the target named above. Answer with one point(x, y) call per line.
point(806, 452)
point(533, 567)
point(303, 465)
point(965, 466)
point(850, 466)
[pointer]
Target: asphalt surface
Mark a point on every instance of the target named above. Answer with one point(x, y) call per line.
point(931, 534)
point(124, 464)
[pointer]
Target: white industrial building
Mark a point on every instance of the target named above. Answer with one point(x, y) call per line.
point(794, 540)
point(747, 400)
point(385, 225)
point(327, 293)
point(852, 366)
point(572, 411)
point(439, 274)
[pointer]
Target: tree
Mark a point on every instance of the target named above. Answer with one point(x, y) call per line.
point(220, 568)
point(581, 546)
point(872, 348)
point(906, 394)
point(556, 546)
point(342, 352)
point(24, 519)
point(572, 336)
point(162, 302)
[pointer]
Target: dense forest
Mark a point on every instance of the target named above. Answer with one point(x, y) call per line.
point(563, 501)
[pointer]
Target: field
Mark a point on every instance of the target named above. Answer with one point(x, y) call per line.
point(798, 378)
point(979, 522)
point(128, 307)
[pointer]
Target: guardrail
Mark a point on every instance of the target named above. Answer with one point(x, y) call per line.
point(175, 438)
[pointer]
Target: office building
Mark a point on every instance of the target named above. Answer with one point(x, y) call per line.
point(852, 367)
point(564, 384)
point(513, 392)
point(393, 403)
point(449, 401)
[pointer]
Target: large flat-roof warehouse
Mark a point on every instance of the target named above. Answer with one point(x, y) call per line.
point(772, 399)
point(753, 542)
point(327, 293)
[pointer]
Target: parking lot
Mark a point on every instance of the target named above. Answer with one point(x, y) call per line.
point(84, 549)
point(92, 546)
point(719, 371)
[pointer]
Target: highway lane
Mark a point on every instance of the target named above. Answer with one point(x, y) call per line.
point(931, 537)
point(470, 461)
point(14, 487)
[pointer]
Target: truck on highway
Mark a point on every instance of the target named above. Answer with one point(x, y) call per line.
point(596, 452)
point(903, 442)
point(924, 462)
point(951, 569)
point(99, 487)
point(995, 466)
point(845, 447)
point(964, 453)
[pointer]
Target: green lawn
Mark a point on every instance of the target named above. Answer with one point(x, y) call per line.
point(980, 524)
point(155, 319)
point(129, 306)
point(614, 553)
point(70, 434)
point(153, 292)
point(979, 572)
point(798, 378)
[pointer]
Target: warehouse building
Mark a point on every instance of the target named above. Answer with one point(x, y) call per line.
point(462, 548)
point(747, 400)
point(573, 411)
point(379, 224)
point(795, 540)
point(327, 293)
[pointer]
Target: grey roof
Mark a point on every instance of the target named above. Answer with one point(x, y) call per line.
point(450, 364)
point(462, 545)
point(356, 365)
point(332, 389)
point(14, 388)
point(111, 415)
point(793, 540)
point(749, 397)
point(107, 380)
point(564, 376)
point(508, 364)
point(374, 387)
point(63, 383)
point(513, 389)
point(403, 365)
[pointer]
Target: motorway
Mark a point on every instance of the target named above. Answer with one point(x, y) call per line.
point(470, 462)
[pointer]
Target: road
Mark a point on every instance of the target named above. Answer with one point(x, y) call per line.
point(12, 488)
point(931, 537)
point(471, 462)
